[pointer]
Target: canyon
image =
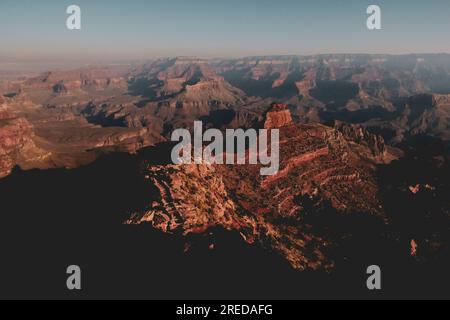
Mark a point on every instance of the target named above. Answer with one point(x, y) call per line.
point(75, 115)
point(85, 158)
point(342, 119)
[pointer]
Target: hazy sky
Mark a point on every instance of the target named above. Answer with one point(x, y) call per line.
point(136, 29)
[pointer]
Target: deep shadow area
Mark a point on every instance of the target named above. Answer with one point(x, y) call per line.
point(102, 118)
point(219, 118)
point(335, 93)
point(264, 87)
point(11, 95)
point(55, 218)
point(415, 194)
point(142, 87)
point(359, 116)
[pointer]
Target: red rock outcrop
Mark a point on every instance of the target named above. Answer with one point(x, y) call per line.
point(37, 137)
point(191, 86)
point(307, 84)
point(359, 135)
point(15, 143)
point(4, 114)
point(316, 162)
point(278, 116)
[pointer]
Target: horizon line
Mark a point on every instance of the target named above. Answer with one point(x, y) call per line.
point(237, 57)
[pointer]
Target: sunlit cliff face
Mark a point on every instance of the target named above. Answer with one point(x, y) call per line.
point(318, 165)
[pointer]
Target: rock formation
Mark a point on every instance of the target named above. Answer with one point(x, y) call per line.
point(95, 77)
point(37, 137)
point(126, 107)
point(278, 116)
point(360, 136)
point(16, 143)
point(318, 164)
point(419, 114)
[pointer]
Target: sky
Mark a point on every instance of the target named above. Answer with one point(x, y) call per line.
point(33, 30)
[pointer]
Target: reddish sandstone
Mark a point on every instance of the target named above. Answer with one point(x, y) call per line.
point(278, 116)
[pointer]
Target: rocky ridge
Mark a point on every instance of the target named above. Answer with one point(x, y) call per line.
point(16, 142)
point(318, 165)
